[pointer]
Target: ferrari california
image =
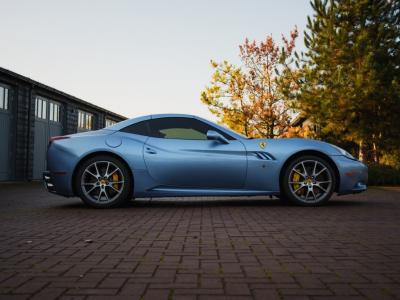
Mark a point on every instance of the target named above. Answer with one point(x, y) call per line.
point(182, 155)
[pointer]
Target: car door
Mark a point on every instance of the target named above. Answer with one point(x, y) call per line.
point(178, 154)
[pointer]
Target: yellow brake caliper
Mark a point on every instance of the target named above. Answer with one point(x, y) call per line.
point(115, 179)
point(296, 178)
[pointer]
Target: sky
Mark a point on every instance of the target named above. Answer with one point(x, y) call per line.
point(137, 57)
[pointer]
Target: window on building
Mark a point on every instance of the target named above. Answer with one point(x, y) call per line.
point(40, 108)
point(110, 122)
point(4, 98)
point(47, 109)
point(316, 128)
point(54, 112)
point(85, 120)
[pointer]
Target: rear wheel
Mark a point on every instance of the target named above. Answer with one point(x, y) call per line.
point(308, 181)
point(103, 181)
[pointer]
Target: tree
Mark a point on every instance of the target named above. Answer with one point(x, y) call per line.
point(254, 99)
point(302, 131)
point(351, 76)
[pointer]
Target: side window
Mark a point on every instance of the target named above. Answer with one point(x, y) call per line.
point(140, 128)
point(181, 128)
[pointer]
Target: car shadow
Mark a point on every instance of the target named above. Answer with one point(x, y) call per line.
point(233, 203)
point(214, 202)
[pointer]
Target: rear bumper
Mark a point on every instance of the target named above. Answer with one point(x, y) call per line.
point(55, 182)
point(60, 166)
point(48, 182)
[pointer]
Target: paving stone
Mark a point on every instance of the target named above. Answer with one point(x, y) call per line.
point(198, 248)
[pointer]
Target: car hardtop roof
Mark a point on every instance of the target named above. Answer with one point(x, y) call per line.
point(131, 121)
point(128, 122)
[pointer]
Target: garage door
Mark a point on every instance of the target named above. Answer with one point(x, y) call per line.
point(47, 124)
point(5, 127)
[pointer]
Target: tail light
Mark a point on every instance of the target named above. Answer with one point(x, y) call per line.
point(56, 138)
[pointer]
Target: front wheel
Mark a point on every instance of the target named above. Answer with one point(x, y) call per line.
point(308, 181)
point(103, 181)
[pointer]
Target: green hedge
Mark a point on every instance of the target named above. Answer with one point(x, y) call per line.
point(383, 175)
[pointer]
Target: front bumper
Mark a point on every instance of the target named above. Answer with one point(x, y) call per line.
point(353, 175)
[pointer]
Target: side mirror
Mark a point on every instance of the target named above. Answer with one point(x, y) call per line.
point(215, 136)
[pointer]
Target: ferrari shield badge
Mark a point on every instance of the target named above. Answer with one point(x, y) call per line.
point(262, 145)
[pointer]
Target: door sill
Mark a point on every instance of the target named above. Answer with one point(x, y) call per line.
point(188, 192)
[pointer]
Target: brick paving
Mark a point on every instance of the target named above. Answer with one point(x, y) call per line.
point(242, 248)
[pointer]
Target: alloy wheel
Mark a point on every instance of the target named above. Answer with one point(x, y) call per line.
point(102, 182)
point(310, 181)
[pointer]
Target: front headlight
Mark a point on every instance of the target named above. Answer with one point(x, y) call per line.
point(344, 152)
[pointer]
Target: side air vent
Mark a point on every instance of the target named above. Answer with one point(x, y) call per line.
point(263, 155)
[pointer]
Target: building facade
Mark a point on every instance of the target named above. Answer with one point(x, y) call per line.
point(31, 113)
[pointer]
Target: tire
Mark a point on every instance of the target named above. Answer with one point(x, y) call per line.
point(308, 181)
point(103, 181)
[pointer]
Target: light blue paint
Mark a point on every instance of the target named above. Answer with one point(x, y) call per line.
point(173, 167)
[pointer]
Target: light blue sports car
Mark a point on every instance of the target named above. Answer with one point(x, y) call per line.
point(183, 155)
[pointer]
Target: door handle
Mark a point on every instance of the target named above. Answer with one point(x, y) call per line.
point(150, 150)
